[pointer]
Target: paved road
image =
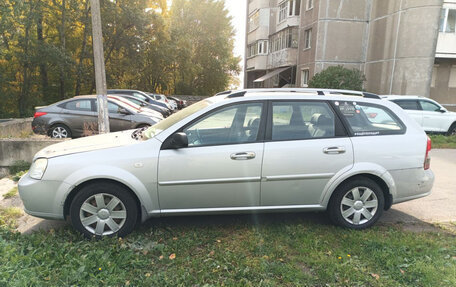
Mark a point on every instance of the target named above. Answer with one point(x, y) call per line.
point(440, 206)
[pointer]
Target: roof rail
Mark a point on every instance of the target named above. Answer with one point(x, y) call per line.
point(322, 92)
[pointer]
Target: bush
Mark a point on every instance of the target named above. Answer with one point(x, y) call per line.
point(338, 77)
point(19, 166)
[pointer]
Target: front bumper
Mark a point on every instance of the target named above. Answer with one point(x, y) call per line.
point(43, 198)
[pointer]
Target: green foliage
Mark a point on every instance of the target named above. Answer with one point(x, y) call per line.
point(46, 49)
point(338, 77)
point(19, 166)
point(8, 217)
point(441, 141)
point(278, 250)
point(16, 177)
point(11, 193)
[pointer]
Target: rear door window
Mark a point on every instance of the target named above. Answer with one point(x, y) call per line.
point(365, 119)
point(302, 120)
point(408, 104)
point(79, 105)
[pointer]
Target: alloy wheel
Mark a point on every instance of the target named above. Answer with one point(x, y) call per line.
point(59, 133)
point(359, 205)
point(103, 214)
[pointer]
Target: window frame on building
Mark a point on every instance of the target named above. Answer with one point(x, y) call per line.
point(289, 8)
point(307, 38)
point(254, 21)
point(309, 5)
point(305, 75)
point(284, 39)
point(446, 26)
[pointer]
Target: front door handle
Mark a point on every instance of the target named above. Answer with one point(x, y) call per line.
point(243, 155)
point(334, 150)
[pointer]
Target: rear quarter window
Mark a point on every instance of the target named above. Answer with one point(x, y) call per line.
point(365, 119)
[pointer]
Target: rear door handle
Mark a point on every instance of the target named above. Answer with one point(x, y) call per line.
point(243, 155)
point(334, 150)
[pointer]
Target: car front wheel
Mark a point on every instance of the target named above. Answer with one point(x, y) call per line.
point(104, 209)
point(357, 204)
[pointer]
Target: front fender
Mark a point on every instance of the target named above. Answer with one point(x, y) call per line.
point(357, 169)
point(147, 196)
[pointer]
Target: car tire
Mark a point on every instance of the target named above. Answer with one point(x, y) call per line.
point(452, 130)
point(356, 204)
point(59, 131)
point(104, 209)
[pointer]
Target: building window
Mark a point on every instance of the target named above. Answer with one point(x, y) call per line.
point(286, 38)
point(283, 11)
point(254, 21)
point(289, 8)
point(310, 4)
point(307, 38)
point(258, 48)
point(452, 82)
point(448, 20)
point(304, 78)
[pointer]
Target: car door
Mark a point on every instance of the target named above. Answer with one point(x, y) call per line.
point(306, 146)
point(118, 121)
point(413, 108)
point(433, 119)
point(79, 116)
point(221, 167)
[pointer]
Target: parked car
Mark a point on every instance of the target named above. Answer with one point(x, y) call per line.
point(431, 115)
point(141, 103)
point(78, 117)
point(157, 105)
point(162, 99)
point(237, 152)
point(144, 109)
point(180, 103)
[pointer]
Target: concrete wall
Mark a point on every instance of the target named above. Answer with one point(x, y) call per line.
point(16, 128)
point(401, 47)
point(441, 92)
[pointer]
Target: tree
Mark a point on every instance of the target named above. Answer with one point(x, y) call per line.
point(338, 77)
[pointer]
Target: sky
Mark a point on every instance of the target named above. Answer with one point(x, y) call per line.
point(236, 10)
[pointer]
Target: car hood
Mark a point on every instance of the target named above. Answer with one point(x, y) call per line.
point(86, 144)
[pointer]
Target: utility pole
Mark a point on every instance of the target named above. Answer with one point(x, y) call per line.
point(100, 74)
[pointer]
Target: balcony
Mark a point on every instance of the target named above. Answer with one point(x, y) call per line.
point(282, 58)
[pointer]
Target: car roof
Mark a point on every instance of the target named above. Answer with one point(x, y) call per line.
point(402, 97)
point(301, 91)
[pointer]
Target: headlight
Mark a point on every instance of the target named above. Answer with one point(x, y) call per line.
point(38, 168)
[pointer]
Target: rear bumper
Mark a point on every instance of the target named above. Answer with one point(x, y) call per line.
point(412, 184)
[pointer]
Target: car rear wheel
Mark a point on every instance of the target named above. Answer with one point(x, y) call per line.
point(60, 131)
point(452, 130)
point(104, 209)
point(357, 204)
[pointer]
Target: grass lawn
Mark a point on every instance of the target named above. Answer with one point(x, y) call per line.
point(441, 141)
point(249, 250)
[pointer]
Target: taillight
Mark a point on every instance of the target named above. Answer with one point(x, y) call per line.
point(427, 159)
point(39, 114)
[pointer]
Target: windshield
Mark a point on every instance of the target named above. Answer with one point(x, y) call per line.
point(171, 120)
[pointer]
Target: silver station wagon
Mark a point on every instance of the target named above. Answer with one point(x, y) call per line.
point(238, 152)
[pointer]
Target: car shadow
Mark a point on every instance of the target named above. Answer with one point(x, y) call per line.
point(252, 219)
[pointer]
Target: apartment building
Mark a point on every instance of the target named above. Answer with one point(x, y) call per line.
point(393, 42)
point(443, 81)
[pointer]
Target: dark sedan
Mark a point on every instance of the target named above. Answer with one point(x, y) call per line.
point(78, 117)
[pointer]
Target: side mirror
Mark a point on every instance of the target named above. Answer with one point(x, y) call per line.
point(442, 110)
point(176, 141)
point(123, 111)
